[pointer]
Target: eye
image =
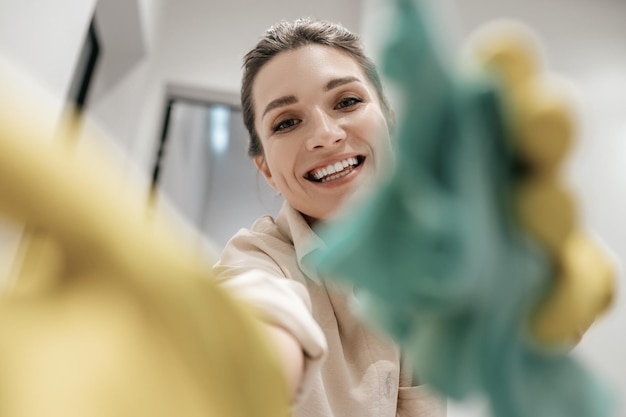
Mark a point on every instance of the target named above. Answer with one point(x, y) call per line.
point(348, 102)
point(285, 125)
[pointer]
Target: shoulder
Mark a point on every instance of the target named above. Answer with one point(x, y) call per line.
point(264, 234)
point(262, 246)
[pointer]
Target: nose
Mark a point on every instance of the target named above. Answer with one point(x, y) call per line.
point(326, 131)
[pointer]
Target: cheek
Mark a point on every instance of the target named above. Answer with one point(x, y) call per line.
point(280, 157)
point(287, 146)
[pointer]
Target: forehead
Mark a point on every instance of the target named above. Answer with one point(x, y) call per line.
point(308, 67)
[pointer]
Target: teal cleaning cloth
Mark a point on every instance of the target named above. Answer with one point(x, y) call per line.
point(435, 255)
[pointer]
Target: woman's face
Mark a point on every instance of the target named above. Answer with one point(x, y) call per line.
point(323, 131)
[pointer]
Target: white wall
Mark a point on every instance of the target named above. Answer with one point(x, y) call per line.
point(44, 39)
point(584, 41)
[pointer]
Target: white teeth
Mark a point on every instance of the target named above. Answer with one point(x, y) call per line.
point(336, 170)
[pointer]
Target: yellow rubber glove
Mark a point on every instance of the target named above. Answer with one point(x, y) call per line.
point(113, 311)
point(544, 130)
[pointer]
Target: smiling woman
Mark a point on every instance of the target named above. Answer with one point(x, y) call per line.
point(319, 128)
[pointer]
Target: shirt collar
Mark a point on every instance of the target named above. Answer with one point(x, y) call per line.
point(292, 224)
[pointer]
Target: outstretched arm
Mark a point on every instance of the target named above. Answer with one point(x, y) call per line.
point(290, 356)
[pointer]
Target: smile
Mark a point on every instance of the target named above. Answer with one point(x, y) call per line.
point(336, 170)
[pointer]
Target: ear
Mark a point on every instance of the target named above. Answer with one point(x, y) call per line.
point(261, 165)
point(392, 122)
point(392, 116)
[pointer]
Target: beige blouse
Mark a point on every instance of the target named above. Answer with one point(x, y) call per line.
point(349, 371)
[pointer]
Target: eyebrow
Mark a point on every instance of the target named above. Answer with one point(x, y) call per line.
point(337, 82)
point(286, 100)
point(279, 102)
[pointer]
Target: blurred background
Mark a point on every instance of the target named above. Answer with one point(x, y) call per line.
point(160, 79)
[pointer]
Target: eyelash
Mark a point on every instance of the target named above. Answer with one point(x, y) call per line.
point(344, 103)
point(280, 125)
point(352, 102)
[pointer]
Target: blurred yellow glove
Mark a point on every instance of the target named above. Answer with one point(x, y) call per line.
point(113, 311)
point(543, 128)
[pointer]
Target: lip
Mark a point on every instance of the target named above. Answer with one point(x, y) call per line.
point(332, 161)
point(359, 157)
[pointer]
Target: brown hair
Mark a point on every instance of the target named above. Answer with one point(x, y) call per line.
point(287, 36)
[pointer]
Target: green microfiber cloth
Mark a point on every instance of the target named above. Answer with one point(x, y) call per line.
point(436, 257)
